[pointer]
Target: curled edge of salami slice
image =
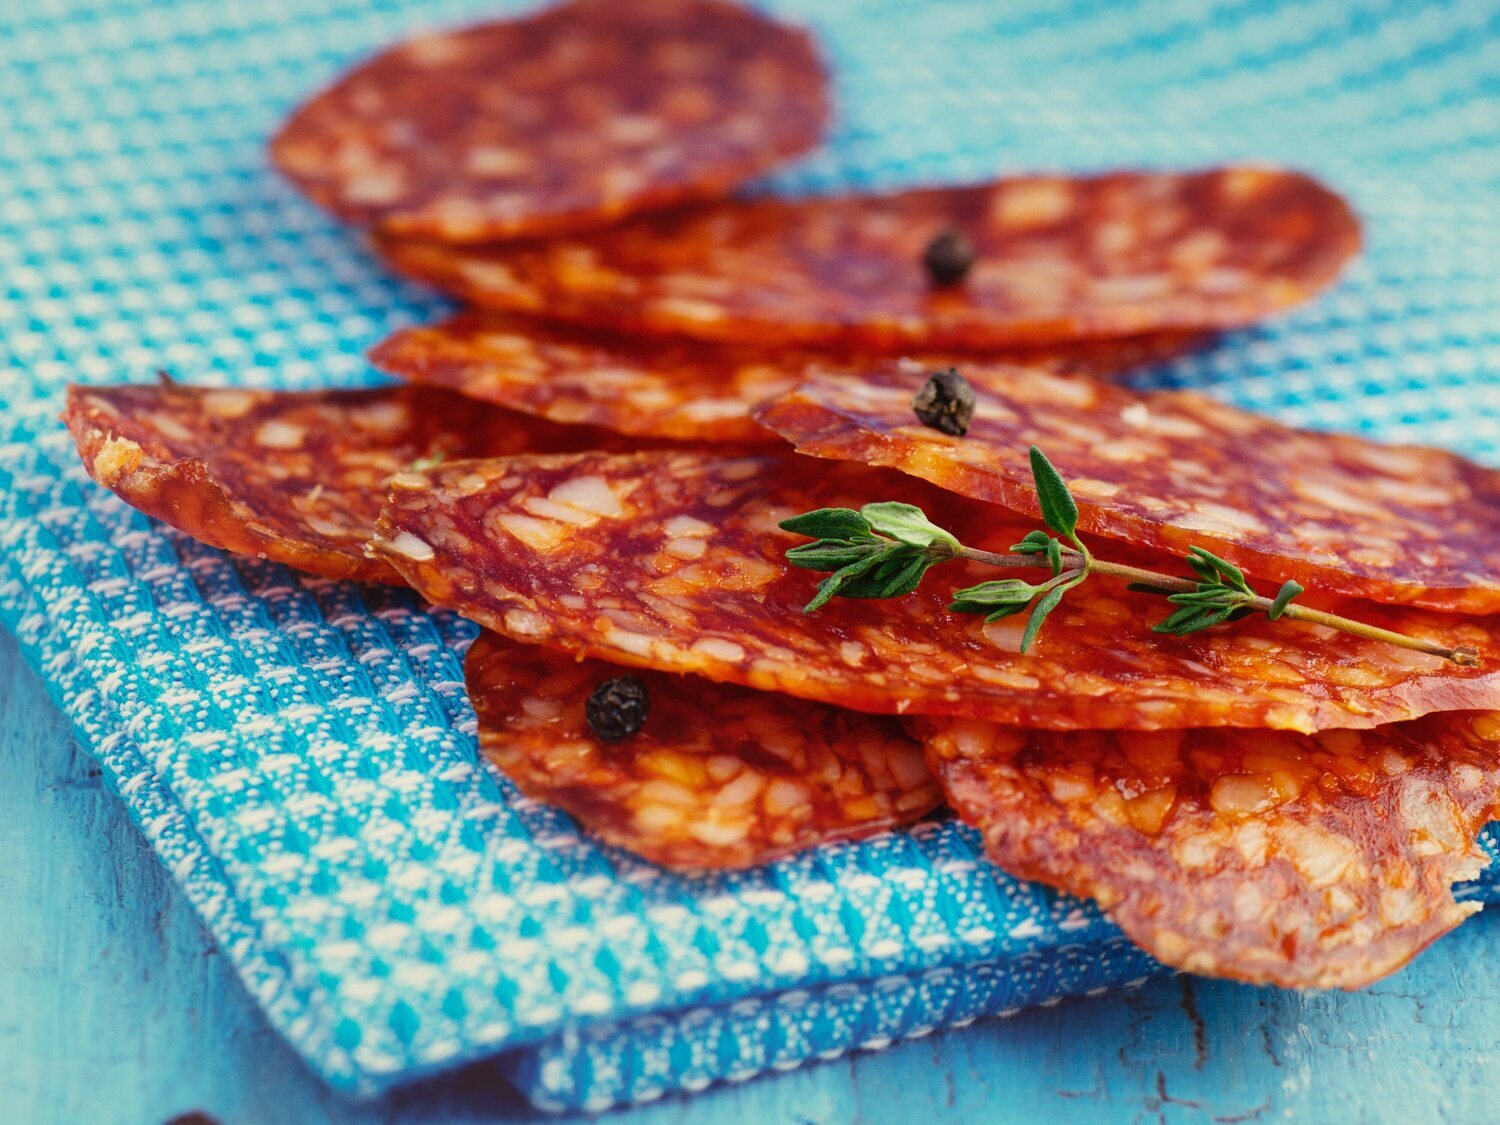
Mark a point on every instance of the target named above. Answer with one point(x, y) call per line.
point(680, 390)
point(297, 477)
point(674, 561)
point(717, 776)
point(1168, 470)
point(562, 120)
point(1058, 258)
point(1275, 858)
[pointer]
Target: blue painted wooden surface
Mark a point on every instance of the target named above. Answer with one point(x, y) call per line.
point(115, 1007)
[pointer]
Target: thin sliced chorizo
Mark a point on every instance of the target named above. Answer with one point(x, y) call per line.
point(682, 390)
point(1305, 861)
point(711, 776)
point(559, 121)
point(1170, 470)
point(1057, 258)
point(674, 561)
point(293, 476)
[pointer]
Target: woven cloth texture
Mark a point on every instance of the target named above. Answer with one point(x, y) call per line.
point(301, 753)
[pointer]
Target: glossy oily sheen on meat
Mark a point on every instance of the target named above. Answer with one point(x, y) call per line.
point(1302, 861)
point(718, 776)
point(674, 561)
point(1171, 470)
point(559, 121)
point(293, 476)
point(1058, 259)
point(682, 390)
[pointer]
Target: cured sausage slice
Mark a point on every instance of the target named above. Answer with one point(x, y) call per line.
point(1174, 469)
point(1302, 861)
point(563, 120)
point(716, 776)
point(1057, 259)
point(670, 389)
point(297, 477)
point(674, 561)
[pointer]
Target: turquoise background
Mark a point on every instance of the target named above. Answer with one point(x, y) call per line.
point(300, 755)
point(117, 1009)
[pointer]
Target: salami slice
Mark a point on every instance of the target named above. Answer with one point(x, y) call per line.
point(560, 121)
point(670, 389)
point(1302, 861)
point(297, 477)
point(674, 561)
point(1168, 470)
point(716, 776)
point(1057, 259)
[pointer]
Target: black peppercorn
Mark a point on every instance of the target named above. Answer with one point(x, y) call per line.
point(617, 708)
point(949, 256)
point(945, 402)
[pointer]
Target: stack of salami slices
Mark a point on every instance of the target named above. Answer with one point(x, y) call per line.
point(592, 460)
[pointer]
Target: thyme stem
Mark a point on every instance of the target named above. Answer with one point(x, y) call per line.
point(1461, 655)
point(884, 549)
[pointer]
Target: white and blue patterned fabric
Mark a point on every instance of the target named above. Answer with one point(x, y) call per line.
point(301, 753)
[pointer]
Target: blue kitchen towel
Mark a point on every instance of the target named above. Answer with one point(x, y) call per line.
point(301, 752)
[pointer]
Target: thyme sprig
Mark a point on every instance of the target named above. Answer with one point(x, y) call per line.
point(885, 549)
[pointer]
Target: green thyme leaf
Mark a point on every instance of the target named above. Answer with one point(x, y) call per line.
point(993, 608)
point(840, 580)
point(1283, 599)
point(1217, 617)
point(1207, 595)
point(1054, 556)
point(1193, 618)
point(896, 571)
point(906, 523)
point(1035, 543)
point(1059, 511)
point(1223, 571)
point(831, 554)
point(997, 589)
point(828, 523)
point(1188, 619)
point(827, 590)
point(1203, 569)
point(1173, 620)
point(903, 579)
point(1045, 605)
point(989, 596)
